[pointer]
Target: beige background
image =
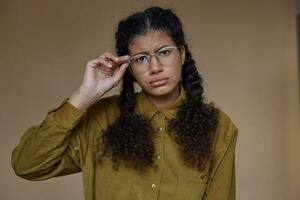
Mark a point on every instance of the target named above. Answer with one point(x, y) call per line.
point(246, 52)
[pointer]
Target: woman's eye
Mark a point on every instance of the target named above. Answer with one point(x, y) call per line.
point(165, 52)
point(141, 59)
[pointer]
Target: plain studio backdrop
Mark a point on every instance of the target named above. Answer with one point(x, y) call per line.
point(246, 51)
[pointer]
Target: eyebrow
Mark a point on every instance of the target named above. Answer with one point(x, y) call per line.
point(145, 52)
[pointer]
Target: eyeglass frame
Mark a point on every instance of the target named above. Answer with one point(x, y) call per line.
point(149, 55)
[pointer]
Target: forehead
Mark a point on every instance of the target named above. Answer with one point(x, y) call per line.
point(150, 41)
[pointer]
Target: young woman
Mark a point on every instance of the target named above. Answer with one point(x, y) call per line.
point(164, 142)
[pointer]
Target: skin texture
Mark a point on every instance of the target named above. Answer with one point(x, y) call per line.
point(151, 41)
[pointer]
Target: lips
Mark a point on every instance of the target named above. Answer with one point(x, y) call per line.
point(159, 82)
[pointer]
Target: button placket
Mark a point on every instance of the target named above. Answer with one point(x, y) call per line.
point(158, 121)
point(161, 122)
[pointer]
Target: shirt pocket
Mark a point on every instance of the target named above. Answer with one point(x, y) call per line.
point(191, 184)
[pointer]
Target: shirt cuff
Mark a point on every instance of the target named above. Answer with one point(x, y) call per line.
point(66, 115)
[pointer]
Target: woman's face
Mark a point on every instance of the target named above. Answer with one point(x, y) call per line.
point(157, 75)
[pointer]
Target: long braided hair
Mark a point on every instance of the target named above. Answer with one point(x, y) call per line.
point(129, 139)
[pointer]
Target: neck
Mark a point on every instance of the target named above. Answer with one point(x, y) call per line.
point(164, 100)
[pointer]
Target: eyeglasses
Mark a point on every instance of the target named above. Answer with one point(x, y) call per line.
point(165, 55)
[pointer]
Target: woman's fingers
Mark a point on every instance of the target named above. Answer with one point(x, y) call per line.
point(119, 72)
point(97, 62)
point(103, 73)
point(109, 57)
point(114, 59)
point(123, 59)
point(110, 64)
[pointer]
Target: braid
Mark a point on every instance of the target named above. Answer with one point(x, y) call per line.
point(127, 97)
point(196, 121)
point(191, 80)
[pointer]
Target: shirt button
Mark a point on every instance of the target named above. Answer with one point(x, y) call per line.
point(161, 114)
point(153, 186)
point(160, 129)
point(158, 157)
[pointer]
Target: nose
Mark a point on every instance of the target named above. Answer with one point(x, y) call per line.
point(155, 66)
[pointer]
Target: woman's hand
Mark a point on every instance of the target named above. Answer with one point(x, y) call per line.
point(101, 75)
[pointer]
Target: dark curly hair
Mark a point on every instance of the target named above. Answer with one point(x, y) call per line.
point(129, 139)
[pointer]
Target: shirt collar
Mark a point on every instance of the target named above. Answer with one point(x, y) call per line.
point(148, 109)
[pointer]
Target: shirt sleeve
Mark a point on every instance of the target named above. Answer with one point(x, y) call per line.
point(50, 149)
point(221, 185)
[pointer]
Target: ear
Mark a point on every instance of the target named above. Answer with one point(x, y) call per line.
point(182, 54)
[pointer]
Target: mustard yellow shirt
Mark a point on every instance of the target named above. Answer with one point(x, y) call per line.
point(66, 139)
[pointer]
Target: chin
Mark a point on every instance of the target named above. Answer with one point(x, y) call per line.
point(160, 91)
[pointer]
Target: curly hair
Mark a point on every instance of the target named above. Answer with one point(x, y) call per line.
point(129, 139)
